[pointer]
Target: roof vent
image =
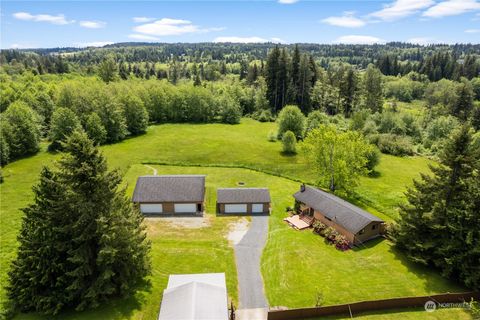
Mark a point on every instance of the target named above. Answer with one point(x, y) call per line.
point(302, 187)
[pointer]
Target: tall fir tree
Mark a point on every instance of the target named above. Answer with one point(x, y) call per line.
point(271, 78)
point(81, 241)
point(439, 224)
point(373, 89)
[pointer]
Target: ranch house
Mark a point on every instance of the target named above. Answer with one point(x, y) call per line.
point(355, 224)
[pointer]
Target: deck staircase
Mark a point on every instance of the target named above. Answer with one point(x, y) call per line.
point(307, 219)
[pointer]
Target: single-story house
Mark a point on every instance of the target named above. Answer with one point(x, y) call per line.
point(195, 296)
point(243, 200)
point(172, 194)
point(355, 224)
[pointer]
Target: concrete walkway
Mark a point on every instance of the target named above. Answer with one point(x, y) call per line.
point(247, 255)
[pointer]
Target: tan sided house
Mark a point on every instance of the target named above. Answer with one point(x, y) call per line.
point(243, 200)
point(355, 224)
point(173, 194)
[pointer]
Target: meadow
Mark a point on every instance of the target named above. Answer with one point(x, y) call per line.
point(375, 271)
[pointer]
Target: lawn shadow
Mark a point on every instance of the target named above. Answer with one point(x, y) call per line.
point(384, 313)
point(288, 154)
point(374, 174)
point(433, 280)
point(369, 244)
point(114, 309)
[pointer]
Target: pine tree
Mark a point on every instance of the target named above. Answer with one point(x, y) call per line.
point(439, 225)
point(81, 241)
point(464, 103)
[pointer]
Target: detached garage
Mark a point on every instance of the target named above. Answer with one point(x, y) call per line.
point(243, 201)
point(175, 194)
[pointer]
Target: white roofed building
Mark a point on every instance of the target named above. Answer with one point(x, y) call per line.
point(195, 296)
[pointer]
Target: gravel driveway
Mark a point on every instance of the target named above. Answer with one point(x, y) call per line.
point(247, 255)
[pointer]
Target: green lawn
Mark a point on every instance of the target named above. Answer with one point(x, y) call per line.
point(294, 265)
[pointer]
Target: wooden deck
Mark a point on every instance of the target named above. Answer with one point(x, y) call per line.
point(299, 221)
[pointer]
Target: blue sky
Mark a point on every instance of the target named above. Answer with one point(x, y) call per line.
point(26, 24)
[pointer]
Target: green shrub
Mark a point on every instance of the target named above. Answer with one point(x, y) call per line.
point(318, 227)
point(272, 136)
point(373, 158)
point(291, 119)
point(263, 116)
point(393, 144)
point(289, 143)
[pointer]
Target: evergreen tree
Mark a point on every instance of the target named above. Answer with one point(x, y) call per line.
point(439, 224)
point(464, 101)
point(304, 83)
point(81, 241)
point(373, 90)
point(271, 78)
point(348, 89)
point(107, 70)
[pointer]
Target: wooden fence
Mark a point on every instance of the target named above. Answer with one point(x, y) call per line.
point(374, 305)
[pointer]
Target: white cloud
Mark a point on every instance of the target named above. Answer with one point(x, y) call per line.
point(277, 40)
point(401, 8)
point(472, 31)
point(451, 8)
point(287, 1)
point(92, 44)
point(358, 39)
point(58, 19)
point(240, 39)
point(142, 37)
point(171, 27)
point(142, 19)
point(347, 20)
point(93, 24)
point(248, 40)
point(422, 40)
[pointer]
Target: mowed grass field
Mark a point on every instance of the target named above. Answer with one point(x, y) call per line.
point(295, 265)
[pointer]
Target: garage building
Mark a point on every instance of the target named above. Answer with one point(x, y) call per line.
point(172, 194)
point(243, 201)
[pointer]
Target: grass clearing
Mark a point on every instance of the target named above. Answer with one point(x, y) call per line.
point(294, 264)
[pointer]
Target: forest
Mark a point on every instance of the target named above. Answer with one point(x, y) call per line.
point(360, 101)
point(116, 91)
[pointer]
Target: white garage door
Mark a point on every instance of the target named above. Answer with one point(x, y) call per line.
point(185, 207)
point(235, 208)
point(257, 207)
point(151, 208)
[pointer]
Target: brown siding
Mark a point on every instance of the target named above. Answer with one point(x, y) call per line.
point(358, 238)
point(369, 232)
point(319, 216)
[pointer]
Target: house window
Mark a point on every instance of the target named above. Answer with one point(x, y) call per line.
point(362, 231)
point(374, 227)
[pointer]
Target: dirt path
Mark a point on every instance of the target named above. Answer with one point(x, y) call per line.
point(151, 168)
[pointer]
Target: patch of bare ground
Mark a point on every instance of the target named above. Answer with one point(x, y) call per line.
point(237, 231)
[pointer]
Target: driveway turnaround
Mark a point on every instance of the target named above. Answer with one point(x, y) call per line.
point(247, 255)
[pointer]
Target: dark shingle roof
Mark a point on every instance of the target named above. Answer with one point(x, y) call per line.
point(175, 188)
point(243, 195)
point(338, 210)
